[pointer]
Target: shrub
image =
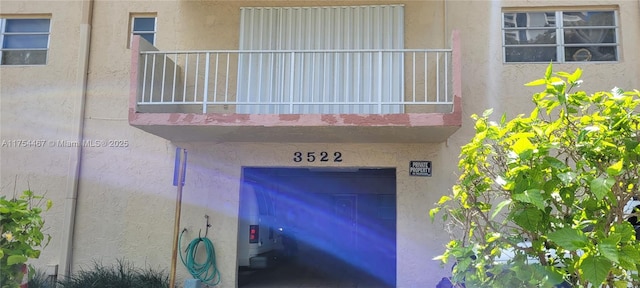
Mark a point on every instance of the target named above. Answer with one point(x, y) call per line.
point(39, 279)
point(121, 275)
point(550, 190)
point(20, 235)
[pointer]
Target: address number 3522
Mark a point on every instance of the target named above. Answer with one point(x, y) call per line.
point(317, 156)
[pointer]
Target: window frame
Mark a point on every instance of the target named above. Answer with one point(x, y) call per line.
point(4, 34)
point(560, 29)
point(133, 32)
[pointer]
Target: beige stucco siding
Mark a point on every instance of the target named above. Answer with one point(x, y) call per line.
point(36, 111)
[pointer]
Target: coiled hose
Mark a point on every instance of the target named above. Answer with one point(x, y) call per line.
point(205, 271)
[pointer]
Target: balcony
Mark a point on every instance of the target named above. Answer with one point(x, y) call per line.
point(365, 96)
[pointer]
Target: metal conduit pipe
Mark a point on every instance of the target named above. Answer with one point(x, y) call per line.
point(75, 156)
point(445, 24)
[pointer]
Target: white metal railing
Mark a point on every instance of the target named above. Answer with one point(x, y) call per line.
point(294, 81)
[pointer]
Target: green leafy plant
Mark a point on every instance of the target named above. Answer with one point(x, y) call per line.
point(539, 201)
point(39, 279)
point(21, 234)
point(122, 274)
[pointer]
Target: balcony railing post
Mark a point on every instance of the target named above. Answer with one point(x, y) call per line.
point(153, 77)
point(438, 77)
point(195, 78)
point(426, 75)
point(413, 75)
point(446, 77)
point(184, 86)
point(173, 84)
point(205, 97)
point(164, 76)
point(215, 80)
point(379, 82)
point(226, 80)
point(291, 76)
point(144, 79)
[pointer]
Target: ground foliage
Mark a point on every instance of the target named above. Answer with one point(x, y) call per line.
point(555, 180)
point(39, 279)
point(123, 274)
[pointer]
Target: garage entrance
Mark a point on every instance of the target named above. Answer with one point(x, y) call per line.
point(322, 227)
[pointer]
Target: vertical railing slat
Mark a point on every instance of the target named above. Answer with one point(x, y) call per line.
point(413, 75)
point(371, 85)
point(173, 83)
point(206, 84)
point(426, 74)
point(446, 78)
point(164, 76)
point(249, 75)
point(184, 85)
point(336, 80)
point(215, 83)
point(379, 82)
point(226, 84)
point(259, 90)
point(153, 77)
point(347, 82)
point(291, 82)
point(144, 79)
point(358, 89)
point(313, 82)
point(196, 76)
point(438, 77)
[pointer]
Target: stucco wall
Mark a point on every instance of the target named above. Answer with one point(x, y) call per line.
point(126, 199)
point(36, 111)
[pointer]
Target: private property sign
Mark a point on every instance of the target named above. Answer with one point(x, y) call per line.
point(420, 168)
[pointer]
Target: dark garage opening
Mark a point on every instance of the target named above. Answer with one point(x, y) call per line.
point(319, 227)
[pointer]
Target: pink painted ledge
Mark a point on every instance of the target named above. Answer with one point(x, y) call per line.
point(282, 120)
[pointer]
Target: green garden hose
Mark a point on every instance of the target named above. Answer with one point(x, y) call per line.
point(205, 271)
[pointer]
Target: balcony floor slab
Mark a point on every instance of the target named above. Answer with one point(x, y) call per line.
point(299, 128)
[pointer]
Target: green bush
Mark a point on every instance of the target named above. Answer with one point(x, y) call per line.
point(121, 275)
point(40, 280)
point(541, 199)
point(21, 234)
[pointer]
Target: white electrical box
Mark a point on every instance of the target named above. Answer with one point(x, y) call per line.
point(52, 270)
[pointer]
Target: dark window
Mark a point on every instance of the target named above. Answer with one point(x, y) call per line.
point(145, 27)
point(560, 36)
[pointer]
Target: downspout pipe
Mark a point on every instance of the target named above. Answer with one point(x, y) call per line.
point(77, 128)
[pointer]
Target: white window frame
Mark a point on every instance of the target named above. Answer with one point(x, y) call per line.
point(3, 34)
point(153, 32)
point(560, 45)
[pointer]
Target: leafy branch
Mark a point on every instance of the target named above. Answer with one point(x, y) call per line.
point(540, 198)
point(21, 235)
